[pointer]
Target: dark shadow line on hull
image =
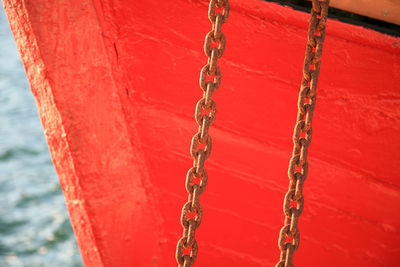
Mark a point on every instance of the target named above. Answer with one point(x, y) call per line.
point(345, 16)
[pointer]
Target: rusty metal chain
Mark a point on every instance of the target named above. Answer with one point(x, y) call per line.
point(200, 149)
point(289, 237)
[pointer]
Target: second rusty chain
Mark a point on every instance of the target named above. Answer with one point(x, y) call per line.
point(289, 237)
point(196, 179)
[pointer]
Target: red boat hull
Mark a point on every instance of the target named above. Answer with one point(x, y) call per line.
point(116, 83)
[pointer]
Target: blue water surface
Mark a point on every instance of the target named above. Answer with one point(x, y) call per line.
point(34, 225)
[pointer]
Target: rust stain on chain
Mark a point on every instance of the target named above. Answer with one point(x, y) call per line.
point(289, 237)
point(200, 149)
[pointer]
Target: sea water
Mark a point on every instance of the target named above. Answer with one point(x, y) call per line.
point(34, 225)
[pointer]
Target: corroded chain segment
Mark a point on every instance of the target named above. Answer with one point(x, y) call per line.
point(289, 237)
point(200, 149)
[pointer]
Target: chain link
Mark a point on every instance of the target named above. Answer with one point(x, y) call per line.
point(289, 236)
point(200, 149)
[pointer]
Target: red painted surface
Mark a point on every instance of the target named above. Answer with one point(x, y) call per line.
point(116, 83)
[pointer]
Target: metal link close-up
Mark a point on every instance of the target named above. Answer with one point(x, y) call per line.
point(200, 149)
point(289, 237)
